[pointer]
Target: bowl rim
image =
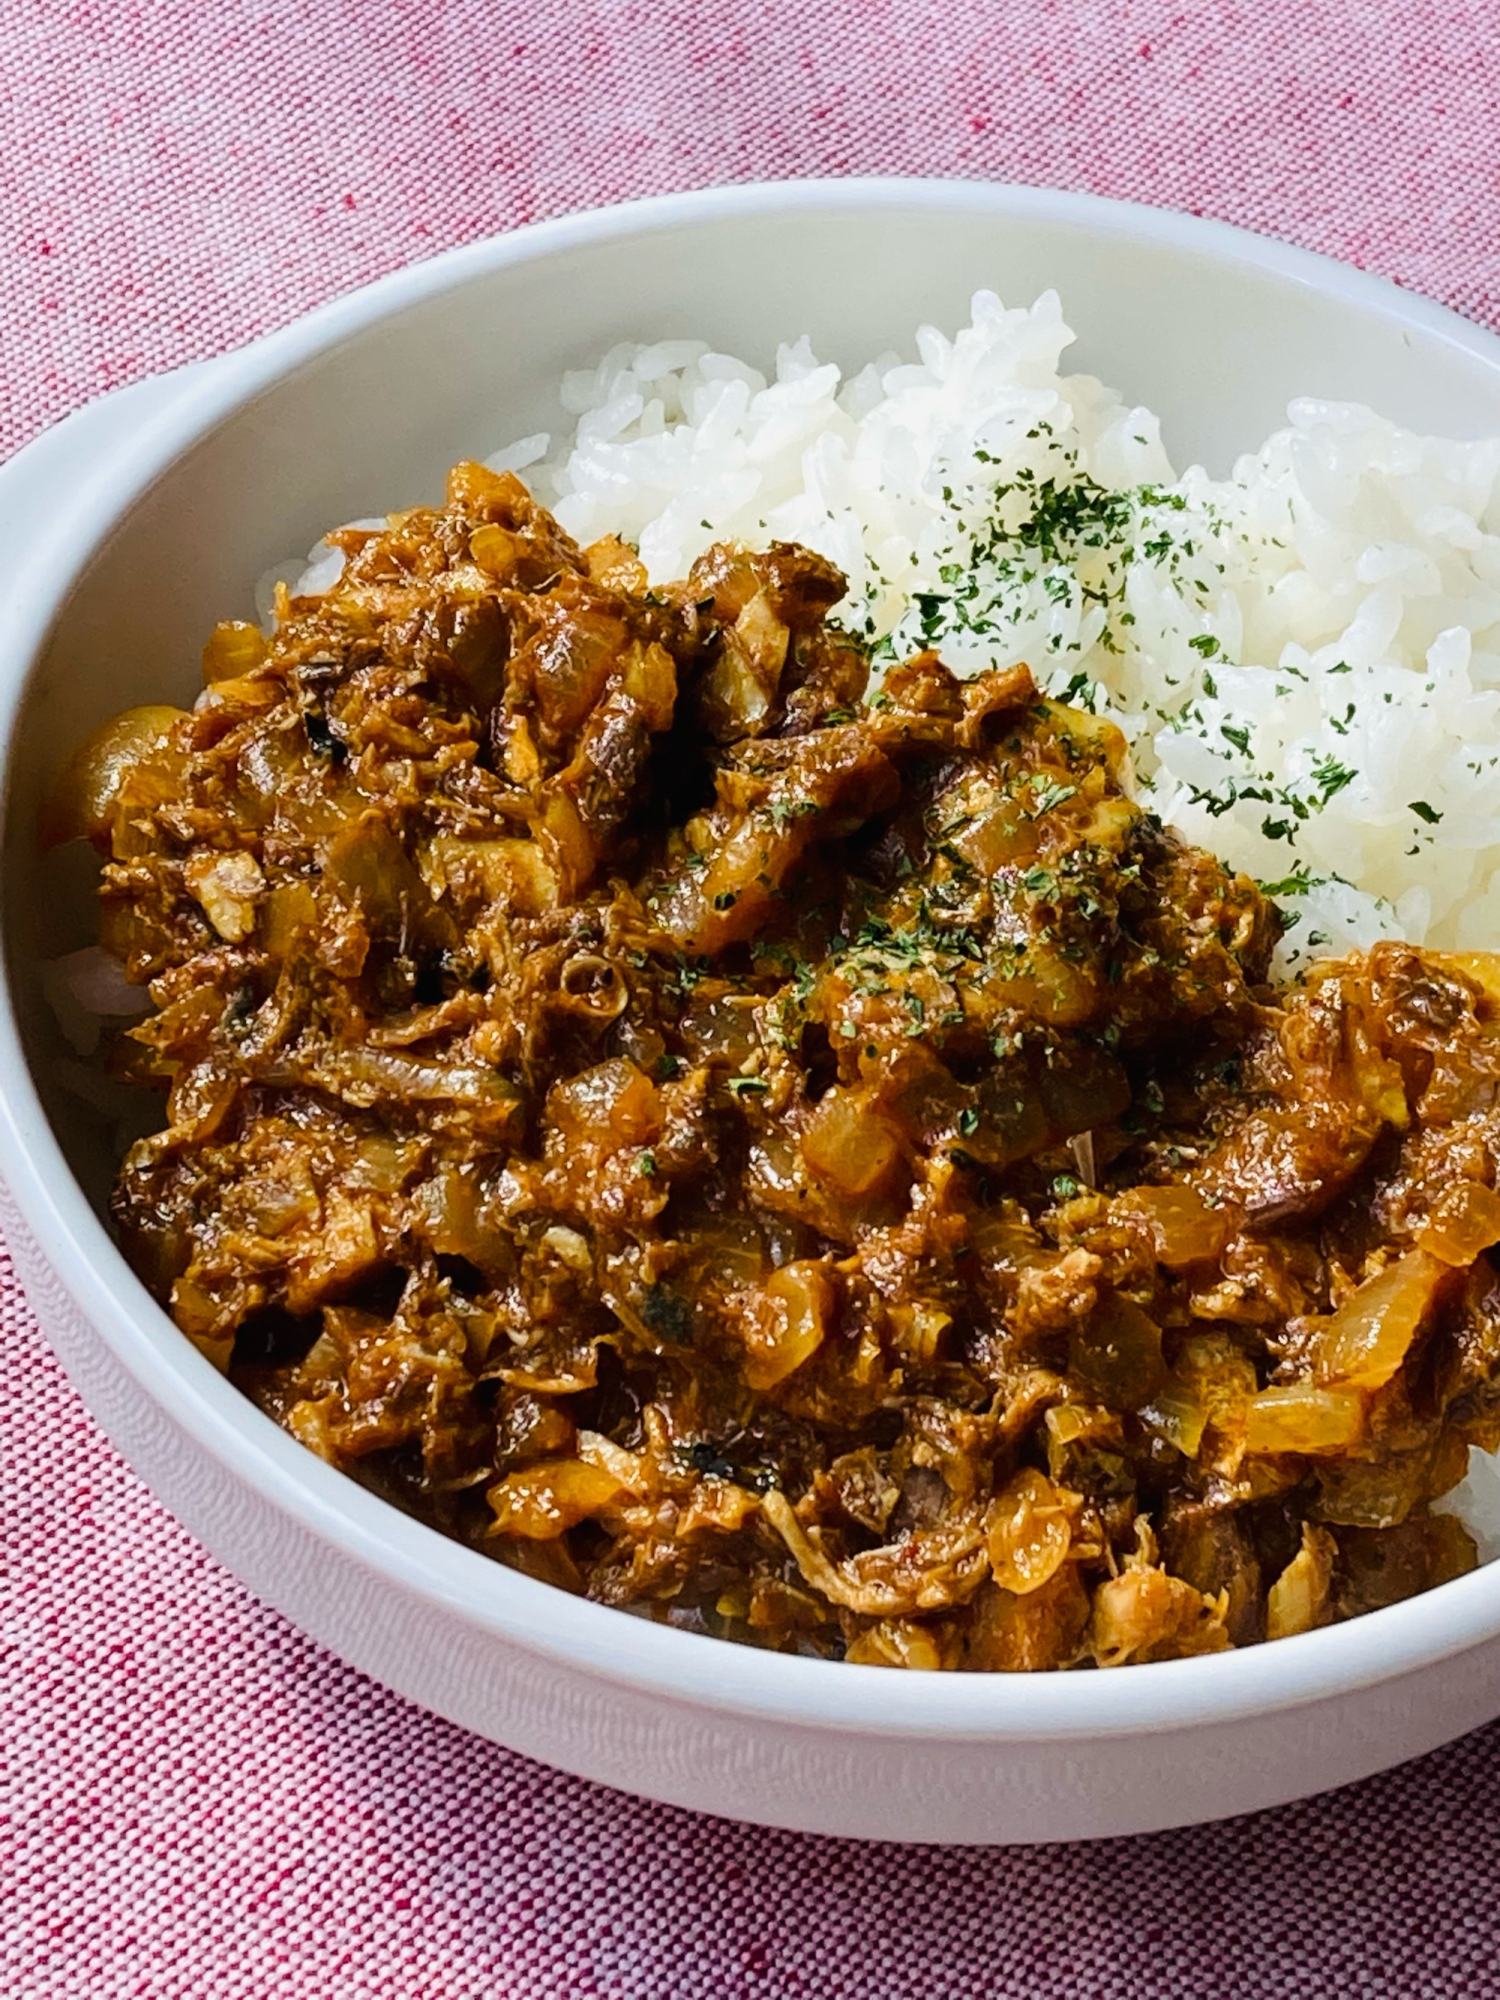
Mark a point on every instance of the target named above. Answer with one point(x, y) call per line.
point(501, 1604)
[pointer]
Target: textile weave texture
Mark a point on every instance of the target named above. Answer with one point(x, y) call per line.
point(199, 1803)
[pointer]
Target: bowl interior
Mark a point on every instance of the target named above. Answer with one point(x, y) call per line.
point(1196, 323)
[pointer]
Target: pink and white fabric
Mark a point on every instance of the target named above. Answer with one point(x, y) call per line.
point(198, 1804)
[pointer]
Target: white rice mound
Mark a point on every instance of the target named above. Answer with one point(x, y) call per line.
point(1305, 657)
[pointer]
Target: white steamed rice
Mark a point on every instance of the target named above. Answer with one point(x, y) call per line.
point(1305, 657)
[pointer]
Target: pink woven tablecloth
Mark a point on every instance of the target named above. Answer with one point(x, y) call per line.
point(201, 1804)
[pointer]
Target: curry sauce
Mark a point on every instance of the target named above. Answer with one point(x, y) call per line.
point(822, 1171)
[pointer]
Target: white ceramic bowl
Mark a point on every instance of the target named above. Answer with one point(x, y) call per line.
point(362, 406)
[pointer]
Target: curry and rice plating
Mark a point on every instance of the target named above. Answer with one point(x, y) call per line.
point(826, 1174)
